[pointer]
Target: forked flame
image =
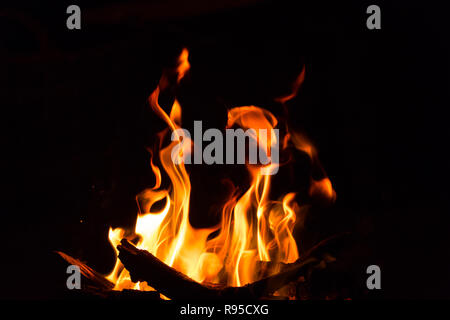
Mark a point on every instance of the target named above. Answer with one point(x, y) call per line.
point(253, 227)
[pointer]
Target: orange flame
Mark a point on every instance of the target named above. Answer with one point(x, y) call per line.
point(253, 227)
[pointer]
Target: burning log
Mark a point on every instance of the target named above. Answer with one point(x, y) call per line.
point(322, 248)
point(98, 281)
point(99, 286)
point(143, 266)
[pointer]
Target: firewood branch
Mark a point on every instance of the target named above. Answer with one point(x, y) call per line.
point(143, 266)
point(99, 280)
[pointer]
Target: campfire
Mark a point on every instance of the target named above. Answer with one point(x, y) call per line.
point(252, 253)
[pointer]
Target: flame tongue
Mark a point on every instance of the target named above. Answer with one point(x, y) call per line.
point(253, 227)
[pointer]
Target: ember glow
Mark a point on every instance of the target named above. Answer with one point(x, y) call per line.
point(253, 227)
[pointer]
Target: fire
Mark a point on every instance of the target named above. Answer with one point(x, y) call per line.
point(253, 227)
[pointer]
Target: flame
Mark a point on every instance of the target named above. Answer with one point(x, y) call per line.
point(318, 187)
point(183, 64)
point(295, 87)
point(253, 227)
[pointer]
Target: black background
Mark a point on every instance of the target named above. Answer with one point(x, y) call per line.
point(73, 122)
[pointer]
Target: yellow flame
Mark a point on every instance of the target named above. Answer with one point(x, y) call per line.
point(253, 227)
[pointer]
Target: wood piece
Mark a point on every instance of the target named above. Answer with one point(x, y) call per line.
point(268, 268)
point(288, 272)
point(99, 282)
point(143, 266)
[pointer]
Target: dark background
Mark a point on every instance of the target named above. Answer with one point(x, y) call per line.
point(74, 124)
